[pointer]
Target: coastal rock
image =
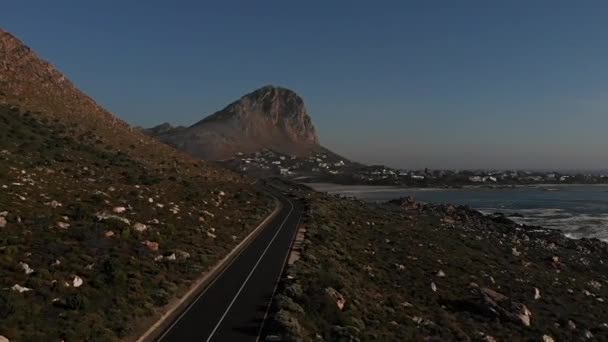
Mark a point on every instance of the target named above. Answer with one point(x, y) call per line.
point(497, 304)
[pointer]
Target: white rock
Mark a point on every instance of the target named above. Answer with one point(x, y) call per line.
point(160, 205)
point(119, 210)
point(441, 274)
point(56, 263)
point(63, 225)
point(547, 338)
point(596, 285)
point(3, 213)
point(54, 204)
point(515, 252)
point(20, 288)
point(150, 200)
point(536, 294)
point(77, 281)
point(26, 268)
point(2, 222)
point(139, 227)
point(106, 216)
point(588, 334)
point(211, 235)
point(571, 325)
point(222, 193)
point(4, 339)
point(172, 257)
point(433, 287)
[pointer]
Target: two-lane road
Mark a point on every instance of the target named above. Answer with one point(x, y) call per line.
point(234, 306)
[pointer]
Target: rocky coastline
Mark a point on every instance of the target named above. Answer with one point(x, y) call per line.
point(405, 270)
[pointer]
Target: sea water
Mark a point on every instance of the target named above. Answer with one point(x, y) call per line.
point(577, 210)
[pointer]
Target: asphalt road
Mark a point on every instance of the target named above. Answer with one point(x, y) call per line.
point(234, 306)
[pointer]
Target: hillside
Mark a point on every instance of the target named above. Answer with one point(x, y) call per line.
point(408, 271)
point(100, 225)
point(271, 117)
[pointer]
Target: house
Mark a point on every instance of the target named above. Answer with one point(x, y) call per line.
point(417, 177)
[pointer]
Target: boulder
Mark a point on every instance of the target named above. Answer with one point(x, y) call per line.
point(496, 304)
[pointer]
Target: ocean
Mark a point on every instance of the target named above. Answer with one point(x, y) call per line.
point(577, 210)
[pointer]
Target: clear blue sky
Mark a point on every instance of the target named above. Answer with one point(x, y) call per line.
point(443, 84)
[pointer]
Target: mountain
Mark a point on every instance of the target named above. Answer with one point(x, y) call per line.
point(101, 226)
point(268, 118)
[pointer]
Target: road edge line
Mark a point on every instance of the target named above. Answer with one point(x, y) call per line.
point(176, 309)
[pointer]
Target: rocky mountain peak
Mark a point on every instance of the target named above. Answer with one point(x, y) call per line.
point(270, 117)
point(281, 108)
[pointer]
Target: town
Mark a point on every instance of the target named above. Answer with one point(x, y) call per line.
point(325, 166)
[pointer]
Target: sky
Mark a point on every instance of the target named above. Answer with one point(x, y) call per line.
point(411, 84)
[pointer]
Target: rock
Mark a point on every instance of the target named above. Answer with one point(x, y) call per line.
point(222, 193)
point(211, 235)
point(433, 287)
point(571, 325)
point(536, 294)
point(182, 254)
point(150, 200)
point(108, 233)
point(20, 288)
point(77, 281)
point(515, 252)
point(26, 268)
point(106, 216)
point(337, 296)
point(547, 338)
point(596, 285)
point(588, 334)
point(63, 225)
point(171, 257)
point(440, 274)
point(140, 227)
point(151, 245)
point(2, 222)
point(497, 304)
point(54, 204)
point(119, 210)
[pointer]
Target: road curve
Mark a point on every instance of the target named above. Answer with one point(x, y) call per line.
point(234, 306)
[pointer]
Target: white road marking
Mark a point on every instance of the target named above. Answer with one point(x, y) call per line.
point(168, 330)
point(250, 274)
point(276, 285)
